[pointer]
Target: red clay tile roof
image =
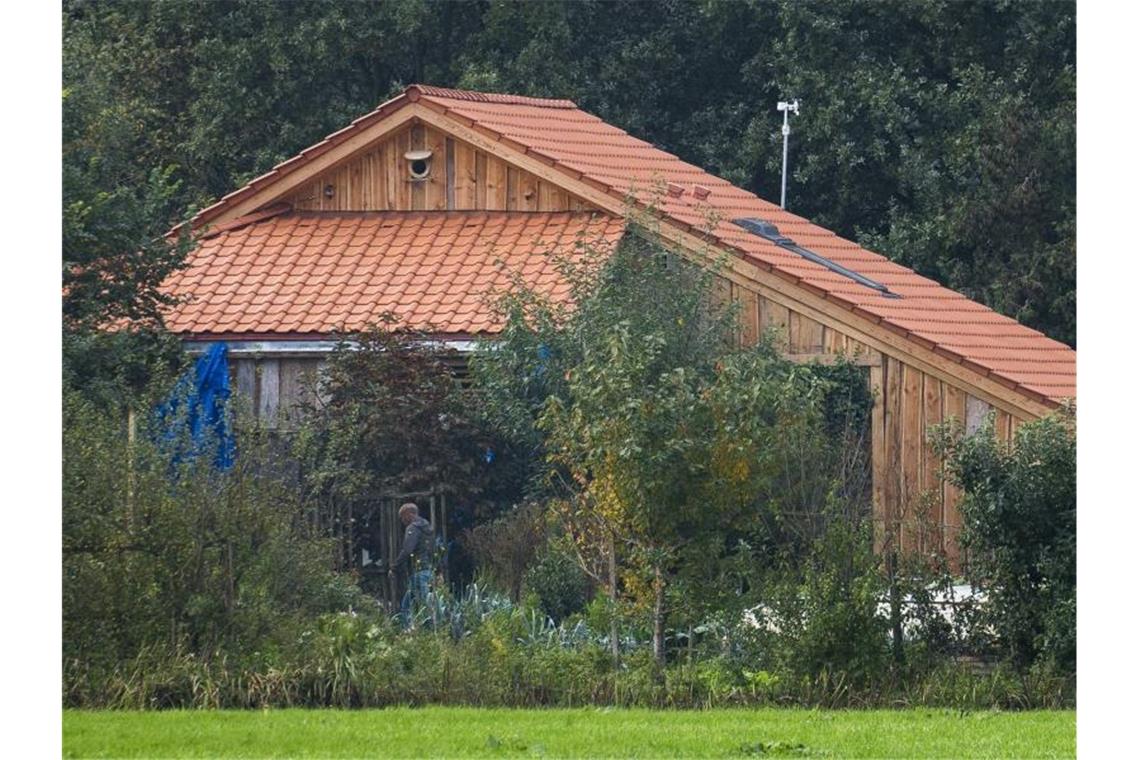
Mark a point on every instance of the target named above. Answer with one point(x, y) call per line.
point(585, 148)
point(317, 273)
point(579, 142)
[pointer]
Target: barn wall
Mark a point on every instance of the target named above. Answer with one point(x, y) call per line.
point(273, 390)
point(462, 177)
point(912, 508)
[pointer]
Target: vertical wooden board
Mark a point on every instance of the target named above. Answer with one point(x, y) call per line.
point(336, 180)
point(814, 335)
point(364, 191)
point(953, 407)
point(288, 381)
point(245, 385)
point(480, 179)
point(528, 192)
point(721, 294)
point(976, 411)
point(297, 388)
point(748, 316)
point(954, 403)
point(879, 514)
point(393, 180)
point(857, 349)
point(892, 441)
point(354, 185)
point(450, 172)
point(775, 317)
point(512, 188)
point(833, 341)
point(911, 450)
point(465, 196)
point(399, 189)
point(551, 197)
point(303, 198)
point(379, 181)
point(418, 187)
point(1003, 425)
point(320, 373)
point(805, 335)
point(435, 188)
point(931, 483)
point(496, 179)
point(795, 342)
point(269, 389)
point(383, 200)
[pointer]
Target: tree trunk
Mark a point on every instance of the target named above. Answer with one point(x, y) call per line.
point(615, 649)
point(658, 615)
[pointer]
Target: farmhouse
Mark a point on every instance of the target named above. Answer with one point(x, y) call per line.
point(421, 206)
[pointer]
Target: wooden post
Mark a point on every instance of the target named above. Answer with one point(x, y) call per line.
point(658, 615)
point(615, 650)
point(880, 512)
point(896, 607)
point(131, 432)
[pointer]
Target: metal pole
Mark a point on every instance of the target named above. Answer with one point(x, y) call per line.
point(784, 173)
point(794, 107)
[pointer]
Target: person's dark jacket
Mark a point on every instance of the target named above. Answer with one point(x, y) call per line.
point(419, 543)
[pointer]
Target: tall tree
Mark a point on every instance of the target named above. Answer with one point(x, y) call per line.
point(939, 133)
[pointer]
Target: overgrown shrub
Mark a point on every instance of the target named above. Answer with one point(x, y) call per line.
point(557, 583)
point(510, 656)
point(503, 548)
point(824, 615)
point(178, 560)
point(387, 416)
point(1019, 511)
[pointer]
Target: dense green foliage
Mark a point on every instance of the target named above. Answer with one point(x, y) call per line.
point(386, 416)
point(1020, 528)
point(479, 649)
point(940, 133)
point(165, 561)
point(472, 732)
point(662, 451)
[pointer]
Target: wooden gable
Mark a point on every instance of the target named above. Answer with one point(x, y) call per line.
point(460, 177)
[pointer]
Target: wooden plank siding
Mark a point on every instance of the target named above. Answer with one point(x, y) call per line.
point(462, 177)
point(273, 390)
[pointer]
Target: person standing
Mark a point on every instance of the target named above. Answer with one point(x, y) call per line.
point(416, 556)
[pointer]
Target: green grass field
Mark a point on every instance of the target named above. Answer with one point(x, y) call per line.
point(469, 732)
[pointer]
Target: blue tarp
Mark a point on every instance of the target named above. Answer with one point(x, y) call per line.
point(196, 411)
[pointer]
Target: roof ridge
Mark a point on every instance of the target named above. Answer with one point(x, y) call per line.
point(414, 90)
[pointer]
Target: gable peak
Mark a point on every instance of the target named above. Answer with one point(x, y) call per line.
point(415, 91)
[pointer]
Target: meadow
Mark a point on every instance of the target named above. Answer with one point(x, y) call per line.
point(594, 732)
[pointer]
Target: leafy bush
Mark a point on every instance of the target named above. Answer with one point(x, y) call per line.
point(376, 383)
point(824, 616)
point(513, 656)
point(503, 548)
point(165, 560)
point(557, 583)
point(1019, 511)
